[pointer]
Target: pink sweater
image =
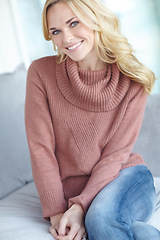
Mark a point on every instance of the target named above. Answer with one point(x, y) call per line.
point(81, 127)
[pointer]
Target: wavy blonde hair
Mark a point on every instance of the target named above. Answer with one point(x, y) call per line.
point(110, 44)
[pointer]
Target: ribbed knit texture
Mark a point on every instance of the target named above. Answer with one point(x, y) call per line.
point(87, 90)
point(81, 127)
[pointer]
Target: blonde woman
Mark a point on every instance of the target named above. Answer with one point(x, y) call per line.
point(84, 109)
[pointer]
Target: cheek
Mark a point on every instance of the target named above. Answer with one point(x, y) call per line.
point(57, 42)
point(90, 36)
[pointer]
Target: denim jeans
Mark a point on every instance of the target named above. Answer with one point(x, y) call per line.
point(120, 210)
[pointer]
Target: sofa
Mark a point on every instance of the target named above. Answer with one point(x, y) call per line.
point(20, 209)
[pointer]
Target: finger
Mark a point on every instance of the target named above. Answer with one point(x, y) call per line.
point(71, 234)
point(80, 234)
point(84, 238)
point(73, 231)
point(53, 232)
point(63, 227)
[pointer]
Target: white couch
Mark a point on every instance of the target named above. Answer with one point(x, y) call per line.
point(20, 210)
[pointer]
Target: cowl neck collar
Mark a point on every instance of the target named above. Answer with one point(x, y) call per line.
point(95, 91)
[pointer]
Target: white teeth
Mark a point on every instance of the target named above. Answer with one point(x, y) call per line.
point(75, 46)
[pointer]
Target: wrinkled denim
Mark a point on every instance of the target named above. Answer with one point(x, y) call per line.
point(120, 210)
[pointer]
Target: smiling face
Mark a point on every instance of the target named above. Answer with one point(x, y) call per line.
point(69, 34)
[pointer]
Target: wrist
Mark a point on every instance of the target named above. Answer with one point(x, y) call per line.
point(56, 217)
point(78, 207)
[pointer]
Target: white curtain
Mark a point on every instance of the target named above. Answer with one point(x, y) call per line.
point(30, 17)
point(21, 39)
point(10, 54)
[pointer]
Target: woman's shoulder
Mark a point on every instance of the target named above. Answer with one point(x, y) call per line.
point(137, 91)
point(43, 62)
point(42, 69)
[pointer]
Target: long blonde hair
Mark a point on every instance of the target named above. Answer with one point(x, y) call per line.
point(110, 44)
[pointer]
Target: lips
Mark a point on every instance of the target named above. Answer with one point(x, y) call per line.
point(74, 46)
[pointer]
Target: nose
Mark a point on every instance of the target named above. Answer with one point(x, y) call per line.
point(67, 37)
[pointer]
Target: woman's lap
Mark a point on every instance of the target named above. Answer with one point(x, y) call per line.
point(129, 198)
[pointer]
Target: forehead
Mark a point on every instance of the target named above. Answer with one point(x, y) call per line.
point(58, 14)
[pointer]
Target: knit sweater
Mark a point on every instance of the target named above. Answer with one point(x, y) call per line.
point(81, 127)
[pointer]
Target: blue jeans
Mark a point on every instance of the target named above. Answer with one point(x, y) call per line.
point(120, 210)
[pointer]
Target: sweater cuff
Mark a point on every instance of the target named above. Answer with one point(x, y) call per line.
point(52, 204)
point(83, 200)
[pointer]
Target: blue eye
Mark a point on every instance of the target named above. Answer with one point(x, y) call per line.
point(55, 32)
point(73, 24)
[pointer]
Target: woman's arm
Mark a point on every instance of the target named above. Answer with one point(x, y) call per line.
point(41, 141)
point(117, 152)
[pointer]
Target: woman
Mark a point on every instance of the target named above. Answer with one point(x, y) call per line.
point(84, 109)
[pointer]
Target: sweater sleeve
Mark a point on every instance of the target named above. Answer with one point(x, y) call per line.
point(117, 151)
point(41, 141)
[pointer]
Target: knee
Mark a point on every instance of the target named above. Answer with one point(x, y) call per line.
point(99, 217)
point(100, 224)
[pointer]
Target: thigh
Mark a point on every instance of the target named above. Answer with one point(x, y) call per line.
point(130, 197)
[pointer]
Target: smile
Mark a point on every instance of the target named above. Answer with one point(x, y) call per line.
point(75, 46)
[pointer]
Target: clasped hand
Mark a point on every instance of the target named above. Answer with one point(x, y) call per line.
point(70, 225)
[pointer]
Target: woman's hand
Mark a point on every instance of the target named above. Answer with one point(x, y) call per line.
point(71, 225)
point(55, 221)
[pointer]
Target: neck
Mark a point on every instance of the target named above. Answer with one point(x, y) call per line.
point(95, 64)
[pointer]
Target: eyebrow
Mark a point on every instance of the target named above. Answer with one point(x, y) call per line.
point(70, 20)
point(67, 22)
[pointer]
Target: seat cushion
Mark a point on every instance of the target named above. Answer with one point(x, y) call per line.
point(155, 219)
point(21, 215)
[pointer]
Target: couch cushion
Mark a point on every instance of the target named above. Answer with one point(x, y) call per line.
point(15, 169)
point(148, 140)
point(155, 219)
point(21, 216)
